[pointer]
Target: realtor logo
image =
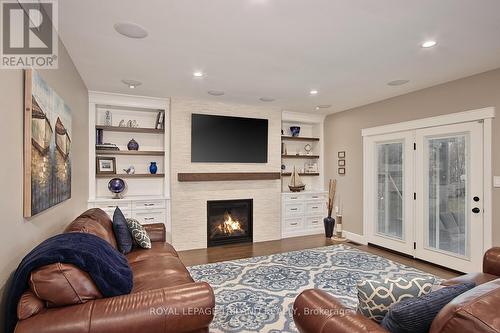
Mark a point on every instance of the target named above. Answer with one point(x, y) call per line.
point(29, 35)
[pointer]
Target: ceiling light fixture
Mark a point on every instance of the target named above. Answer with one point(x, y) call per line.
point(397, 82)
point(313, 92)
point(267, 99)
point(130, 30)
point(429, 43)
point(323, 106)
point(215, 92)
point(131, 83)
point(198, 74)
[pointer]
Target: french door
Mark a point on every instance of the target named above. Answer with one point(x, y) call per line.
point(424, 191)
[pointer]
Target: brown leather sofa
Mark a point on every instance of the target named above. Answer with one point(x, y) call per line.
point(475, 311)
point(63, 299)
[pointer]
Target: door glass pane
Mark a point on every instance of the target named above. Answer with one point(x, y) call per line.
point(390, 191)
point(448, 210)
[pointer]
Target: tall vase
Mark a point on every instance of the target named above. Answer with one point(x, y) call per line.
point(329, 223)
point(153, 168)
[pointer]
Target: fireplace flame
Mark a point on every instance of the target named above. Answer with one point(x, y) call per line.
point(229, 226)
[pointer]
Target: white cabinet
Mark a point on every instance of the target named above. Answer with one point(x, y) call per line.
point(144, 211)
point(303, 213)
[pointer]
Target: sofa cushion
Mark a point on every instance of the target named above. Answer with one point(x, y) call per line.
point(415, 315)
point(29, 305)
point(63, 284)
point(157, 249)
point(159, 272)
point(94, 221)
point(139, 234)
point(122, 234)
point(375, 297)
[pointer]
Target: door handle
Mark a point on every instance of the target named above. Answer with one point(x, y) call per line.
point(476, 210)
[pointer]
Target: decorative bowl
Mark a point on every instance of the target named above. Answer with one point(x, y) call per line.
point(295, 130)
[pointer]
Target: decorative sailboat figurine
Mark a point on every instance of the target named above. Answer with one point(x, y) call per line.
point(296, 184)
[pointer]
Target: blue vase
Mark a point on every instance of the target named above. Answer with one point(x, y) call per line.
point(153, 168)
point(133, 145)
point(329, 223)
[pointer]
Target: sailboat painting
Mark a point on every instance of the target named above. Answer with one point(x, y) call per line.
point(47, 146)
point(296, 184)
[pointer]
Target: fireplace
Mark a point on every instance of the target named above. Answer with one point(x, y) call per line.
point(229, 221)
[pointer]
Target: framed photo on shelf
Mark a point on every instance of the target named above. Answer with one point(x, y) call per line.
point(341, 163)
point(105, 165)
point(341, 171)
point(341, 154)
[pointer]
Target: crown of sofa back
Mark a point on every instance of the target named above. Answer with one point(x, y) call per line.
point(96, 222)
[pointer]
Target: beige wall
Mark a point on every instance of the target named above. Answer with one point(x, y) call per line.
point(18, 235)
point(343, 132)
point(189, 200)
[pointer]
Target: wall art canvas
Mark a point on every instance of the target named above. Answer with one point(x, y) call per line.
point(47, 146)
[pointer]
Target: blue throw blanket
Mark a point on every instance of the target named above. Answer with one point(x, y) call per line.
point(108, 268)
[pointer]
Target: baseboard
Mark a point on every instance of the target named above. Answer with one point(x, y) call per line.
point(361, 239)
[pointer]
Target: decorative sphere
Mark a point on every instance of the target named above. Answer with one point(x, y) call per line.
point(116, 185)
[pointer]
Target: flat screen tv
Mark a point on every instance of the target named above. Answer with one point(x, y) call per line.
point(222, 139)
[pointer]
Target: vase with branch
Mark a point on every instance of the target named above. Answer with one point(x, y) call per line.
point(329, 221)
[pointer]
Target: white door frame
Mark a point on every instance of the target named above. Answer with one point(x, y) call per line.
point(486, 115)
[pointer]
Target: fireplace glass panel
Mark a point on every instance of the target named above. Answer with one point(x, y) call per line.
point(229, 221)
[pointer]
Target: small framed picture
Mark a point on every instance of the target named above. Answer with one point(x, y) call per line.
point(105, 165)
point(342, 163)
point(341, 154)
point(341, 171)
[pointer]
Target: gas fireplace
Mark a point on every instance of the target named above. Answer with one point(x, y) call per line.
point(229, 221)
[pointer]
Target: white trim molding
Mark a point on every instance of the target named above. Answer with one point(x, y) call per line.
point(357, 238)
point(447, 119)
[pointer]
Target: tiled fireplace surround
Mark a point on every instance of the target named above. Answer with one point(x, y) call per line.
point(189, 199)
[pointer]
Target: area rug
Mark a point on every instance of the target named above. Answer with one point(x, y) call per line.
point(257, 294)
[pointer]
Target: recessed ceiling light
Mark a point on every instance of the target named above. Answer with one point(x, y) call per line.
point(397, 82)
point(131, 83)
point(323, 106)
point(130, 30)
point(215, 92)
point(428, 43)
point(267, 99)
point(313, 92)
point(198, 74)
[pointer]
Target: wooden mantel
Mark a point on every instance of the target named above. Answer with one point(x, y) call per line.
point(227, 176)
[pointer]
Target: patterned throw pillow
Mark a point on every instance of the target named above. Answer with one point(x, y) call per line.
point(415, 315)
point(139, 234)
point(375, 297)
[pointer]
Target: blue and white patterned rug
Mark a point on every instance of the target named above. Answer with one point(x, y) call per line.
point(257, 294)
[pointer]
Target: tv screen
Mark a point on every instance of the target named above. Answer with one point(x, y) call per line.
point(228, 139)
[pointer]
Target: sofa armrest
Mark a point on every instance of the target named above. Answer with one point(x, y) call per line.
point(491, 261)
point(183, 308)
point(315, 311)
point(156, 232)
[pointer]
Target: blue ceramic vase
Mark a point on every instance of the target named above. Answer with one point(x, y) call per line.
point(153, 168)
point(133, 145)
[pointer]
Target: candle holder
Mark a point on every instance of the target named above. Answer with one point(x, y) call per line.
point(339, 235)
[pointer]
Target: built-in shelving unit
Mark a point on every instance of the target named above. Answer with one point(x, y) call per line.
point(303, 212)
point(147, 196)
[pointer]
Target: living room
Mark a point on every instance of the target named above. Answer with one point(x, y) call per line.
point(250, 166)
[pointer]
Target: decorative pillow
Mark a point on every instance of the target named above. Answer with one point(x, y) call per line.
point(122, 234)
point(375, 297)
point(415, 315)
point(139, 234)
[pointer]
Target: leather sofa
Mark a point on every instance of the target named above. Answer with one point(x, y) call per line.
point(475, 311)
point(63, 299)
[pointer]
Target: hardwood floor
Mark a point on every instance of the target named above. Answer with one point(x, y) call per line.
point(248, 250)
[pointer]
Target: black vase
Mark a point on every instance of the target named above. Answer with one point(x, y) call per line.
point(329, 223)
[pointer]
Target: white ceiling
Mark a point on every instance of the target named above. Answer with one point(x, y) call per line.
point(346, 49)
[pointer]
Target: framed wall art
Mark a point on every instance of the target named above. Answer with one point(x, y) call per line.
point(105, 165)
point(47, 146)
